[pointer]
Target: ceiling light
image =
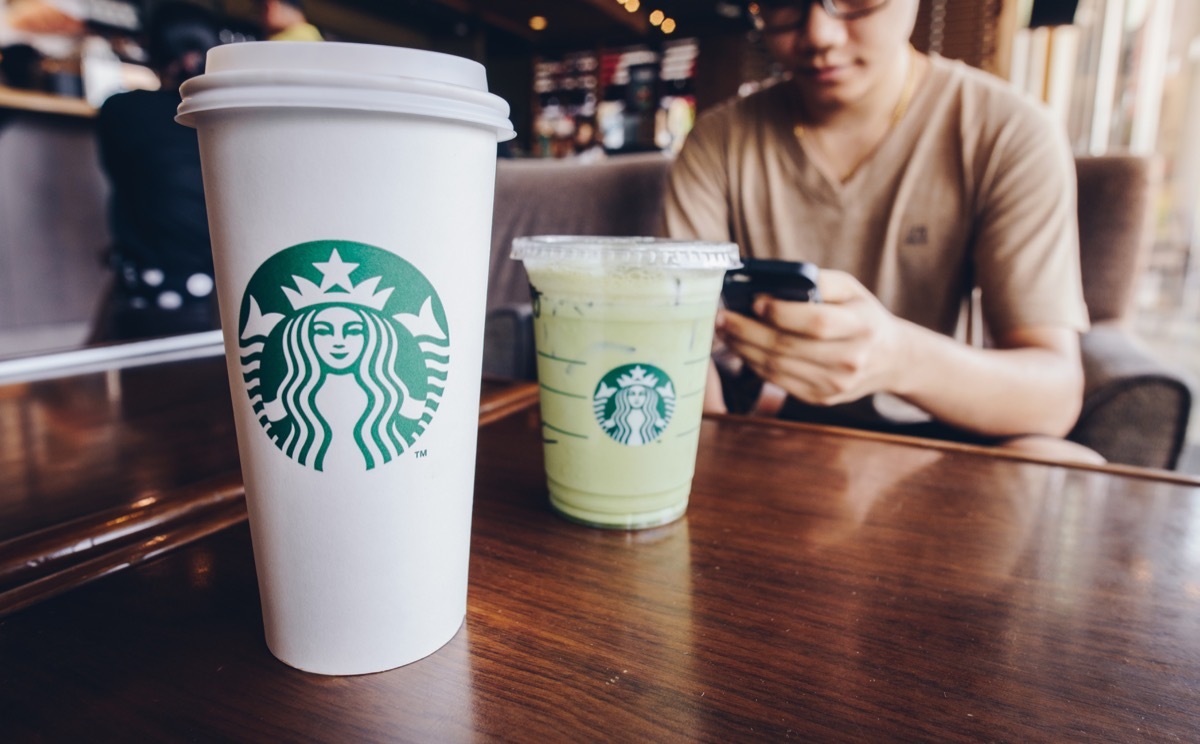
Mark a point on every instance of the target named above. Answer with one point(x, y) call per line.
point(656, 17)
point(668, 25)
point(538, 23)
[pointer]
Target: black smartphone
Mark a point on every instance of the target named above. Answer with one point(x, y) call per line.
point(787, 280)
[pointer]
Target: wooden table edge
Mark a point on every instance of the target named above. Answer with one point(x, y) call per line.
point(42, 564)
point(520, 396)
point(1129, 471)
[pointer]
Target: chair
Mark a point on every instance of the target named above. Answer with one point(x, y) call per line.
point(618, 196)
point(1135, 409)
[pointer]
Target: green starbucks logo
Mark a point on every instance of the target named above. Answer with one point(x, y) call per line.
point(634, 403)
point(344, 350)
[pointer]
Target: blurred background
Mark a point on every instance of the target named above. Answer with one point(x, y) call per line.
point(592, 79)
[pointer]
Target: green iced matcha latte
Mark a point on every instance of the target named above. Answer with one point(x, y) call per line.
point(623, 328)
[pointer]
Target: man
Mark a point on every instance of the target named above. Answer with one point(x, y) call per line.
point(909, 180)
point(284, 20)
point(161, 256)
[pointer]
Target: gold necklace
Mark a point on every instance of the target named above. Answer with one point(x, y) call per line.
point(906, 94)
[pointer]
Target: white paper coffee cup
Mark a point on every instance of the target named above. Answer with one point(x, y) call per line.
point(349, 191)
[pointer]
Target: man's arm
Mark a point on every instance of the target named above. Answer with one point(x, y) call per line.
point(697, 208)
point(696, 203)
point(850, 346)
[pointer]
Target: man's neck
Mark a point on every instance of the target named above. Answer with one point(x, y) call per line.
point(841, 138)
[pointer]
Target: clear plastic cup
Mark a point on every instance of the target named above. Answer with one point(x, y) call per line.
point(623, 329)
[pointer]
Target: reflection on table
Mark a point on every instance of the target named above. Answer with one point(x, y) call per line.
point(105, 470)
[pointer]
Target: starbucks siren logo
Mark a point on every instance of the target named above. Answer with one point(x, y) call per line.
point(634, 403)
point(341, 370)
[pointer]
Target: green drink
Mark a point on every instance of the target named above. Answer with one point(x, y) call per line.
point(623, 328)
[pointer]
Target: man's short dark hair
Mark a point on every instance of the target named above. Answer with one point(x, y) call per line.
point(176, 29)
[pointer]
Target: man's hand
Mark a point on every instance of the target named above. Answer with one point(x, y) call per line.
point(836, 351)
point(850, 346)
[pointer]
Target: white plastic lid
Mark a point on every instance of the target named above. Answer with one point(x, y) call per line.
point(612, 252)
point(334, 75)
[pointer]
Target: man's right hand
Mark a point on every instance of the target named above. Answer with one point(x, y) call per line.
point(842, 349)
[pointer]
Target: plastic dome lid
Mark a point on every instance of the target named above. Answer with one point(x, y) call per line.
point(604, 251)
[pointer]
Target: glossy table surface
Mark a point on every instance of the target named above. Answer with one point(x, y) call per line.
point(822, 586)
point(106, 470)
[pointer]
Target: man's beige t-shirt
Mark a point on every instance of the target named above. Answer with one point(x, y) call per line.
point(974, 186)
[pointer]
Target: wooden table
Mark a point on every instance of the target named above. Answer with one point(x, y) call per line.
point(823, 586)
point(102, 471)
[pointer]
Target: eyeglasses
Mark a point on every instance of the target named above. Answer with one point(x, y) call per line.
point(780, 16)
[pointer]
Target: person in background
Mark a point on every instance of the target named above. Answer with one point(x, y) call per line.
point(34, 30)
point(21, 66)
point(161, 256)
point(53, 27)
point(284, 20)
point(910, 180)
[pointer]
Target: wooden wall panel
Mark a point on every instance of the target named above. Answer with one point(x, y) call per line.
point(961, 29)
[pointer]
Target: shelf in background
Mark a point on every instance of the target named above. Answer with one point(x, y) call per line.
point(45, 103)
